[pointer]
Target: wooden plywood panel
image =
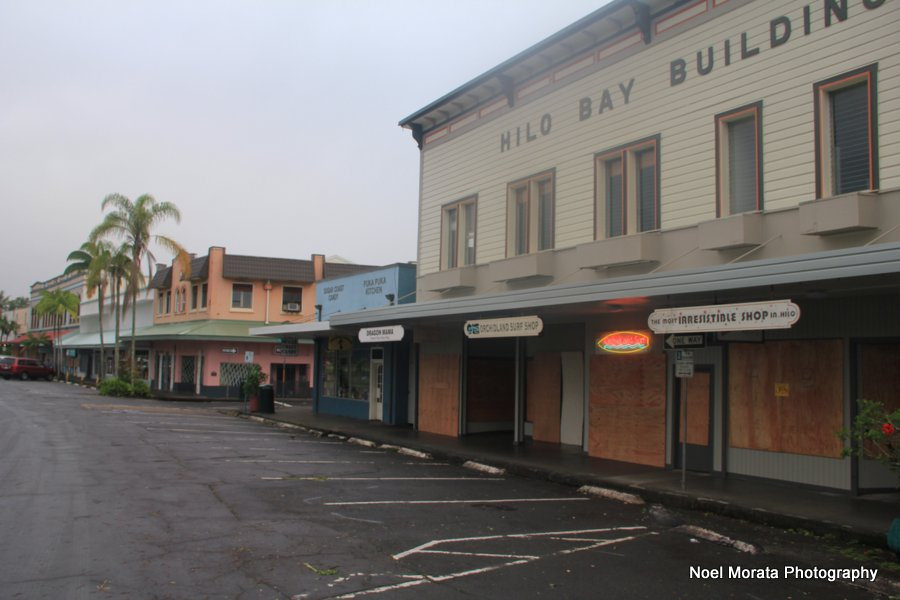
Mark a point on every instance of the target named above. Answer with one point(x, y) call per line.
point(786, 396)
point(628, 408)
point(490, 390)
point(698, 391)
point(543, 398)
point(439, 393)
point(879, 374)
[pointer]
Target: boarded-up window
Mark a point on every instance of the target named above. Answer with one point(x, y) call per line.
point(490, 390)
point(439, 393)
point(628, 408)
point(543, 397)
point(786, 397)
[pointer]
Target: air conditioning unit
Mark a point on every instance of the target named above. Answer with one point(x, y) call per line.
point(291, 307)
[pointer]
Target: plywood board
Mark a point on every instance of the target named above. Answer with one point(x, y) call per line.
point(628, 408)
point(439, 393)
point(543, 397)
point(879, 374)
point(786, 396)
point(490, 390)
point(698, 392)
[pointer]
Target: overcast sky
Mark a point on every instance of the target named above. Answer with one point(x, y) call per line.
point(271, 124)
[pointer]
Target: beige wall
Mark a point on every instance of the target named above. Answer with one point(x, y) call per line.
point(470, 162)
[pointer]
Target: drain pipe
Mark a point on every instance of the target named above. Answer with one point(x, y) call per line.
point(268, 294)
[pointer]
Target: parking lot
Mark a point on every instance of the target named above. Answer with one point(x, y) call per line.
point(147, 499)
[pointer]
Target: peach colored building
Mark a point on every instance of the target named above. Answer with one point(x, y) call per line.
point(199, 341)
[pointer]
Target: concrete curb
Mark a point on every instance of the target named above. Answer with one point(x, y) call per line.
point(650, 496)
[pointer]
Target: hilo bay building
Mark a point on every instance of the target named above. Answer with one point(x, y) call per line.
point(200, 341)
point(718, 178)
point(364, 374)
point(84, 344)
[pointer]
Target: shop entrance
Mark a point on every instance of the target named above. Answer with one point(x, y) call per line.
point(376, 384)
point(490, 400)
point(700, 400)
point(164, 371)
point(289, 380)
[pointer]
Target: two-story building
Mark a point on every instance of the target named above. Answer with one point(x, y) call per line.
point(367, 375)
point(200, 341)
point(51, 326)
point(716, 176)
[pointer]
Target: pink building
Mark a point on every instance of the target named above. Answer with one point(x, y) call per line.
point(199, 340)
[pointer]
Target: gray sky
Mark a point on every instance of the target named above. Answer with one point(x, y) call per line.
point(272, 124)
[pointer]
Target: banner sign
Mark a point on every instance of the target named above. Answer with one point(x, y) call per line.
point(388, 333)
point(507, 327)
point(776, 314)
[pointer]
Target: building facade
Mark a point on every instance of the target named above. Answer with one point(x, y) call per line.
point(680, 156)
point(200, 341)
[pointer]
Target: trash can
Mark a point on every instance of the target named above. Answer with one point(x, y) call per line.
point(266, 399)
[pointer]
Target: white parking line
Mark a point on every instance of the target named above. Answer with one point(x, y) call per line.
point(327, 478)
point(476, 501)
point(204, 431)
point(306, 462)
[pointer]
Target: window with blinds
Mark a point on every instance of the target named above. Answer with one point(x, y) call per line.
point(739, 160)
point(627, 189)
point(458, 234)
point(846, 154)
point(850, 138)
point(531, 211)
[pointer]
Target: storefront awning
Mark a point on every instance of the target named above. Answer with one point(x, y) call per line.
point(211, 329)
point(92, 340)
point(50, 334)
point(301, 331)
point(874, 262)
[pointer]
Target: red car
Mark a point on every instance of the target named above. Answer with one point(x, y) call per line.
point(24, 368)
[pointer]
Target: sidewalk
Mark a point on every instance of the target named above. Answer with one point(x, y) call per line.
point(864, 518)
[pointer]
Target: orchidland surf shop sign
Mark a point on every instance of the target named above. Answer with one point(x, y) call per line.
point(507, 327)
point(776, 314)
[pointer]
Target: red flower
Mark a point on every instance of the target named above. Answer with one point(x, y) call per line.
point(887, 429)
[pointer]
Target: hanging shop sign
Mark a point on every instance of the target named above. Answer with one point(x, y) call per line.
point(339, 342)
point(623, 342)
point(286, 350)
point(388, 333)
point(506, 327)
point(776, 314)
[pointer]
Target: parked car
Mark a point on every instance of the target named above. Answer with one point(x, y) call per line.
point(24, 368)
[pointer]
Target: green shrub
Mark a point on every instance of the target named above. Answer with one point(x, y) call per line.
point(140, 389)
point(115, 387)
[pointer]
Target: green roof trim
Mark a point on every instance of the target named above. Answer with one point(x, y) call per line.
point(209, 329)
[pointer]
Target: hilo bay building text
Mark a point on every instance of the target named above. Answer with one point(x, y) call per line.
point(667, 207)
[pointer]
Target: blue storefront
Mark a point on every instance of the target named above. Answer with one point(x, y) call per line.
point(363, 374)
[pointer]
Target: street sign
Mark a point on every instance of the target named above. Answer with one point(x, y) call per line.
point(286, 350)
point(684, 363)
point(229, 350)
point(248, 356)
point(694, 340)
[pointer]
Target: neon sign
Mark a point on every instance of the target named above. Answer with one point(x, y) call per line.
point(624, 342)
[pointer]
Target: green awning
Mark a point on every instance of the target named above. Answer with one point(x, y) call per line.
point(210, 329)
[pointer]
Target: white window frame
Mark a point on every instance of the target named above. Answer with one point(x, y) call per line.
point(531, 187)
point(627, 153)
point(460, 257)
point(241, 308)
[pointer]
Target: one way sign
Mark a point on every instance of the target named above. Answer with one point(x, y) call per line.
point(695, 340)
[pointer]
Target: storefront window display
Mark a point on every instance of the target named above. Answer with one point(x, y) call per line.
point(346, 373)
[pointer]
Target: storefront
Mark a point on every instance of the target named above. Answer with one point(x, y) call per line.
point(363, 374)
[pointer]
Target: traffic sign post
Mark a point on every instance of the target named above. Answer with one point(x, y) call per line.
point(685, 340)
point(684, 369)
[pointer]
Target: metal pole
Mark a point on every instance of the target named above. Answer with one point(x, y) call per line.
point(517, 429)
point(683, 395)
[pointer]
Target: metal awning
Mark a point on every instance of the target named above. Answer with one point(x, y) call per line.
point(210, 329)
point(294, 330)
point(92, 340)
point(876, 261)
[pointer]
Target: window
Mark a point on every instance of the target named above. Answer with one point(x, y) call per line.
point(627, 198)
point(739, 160)
point(458, 234)
point(291, 299)
point(846, 125)
point(195, 292)
point(531, 215)
point(160, 302)
point(168, 302)
point(203, 289)
point(242, 295)
point(345, 373)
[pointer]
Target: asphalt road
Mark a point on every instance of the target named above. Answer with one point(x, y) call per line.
point(141, 499)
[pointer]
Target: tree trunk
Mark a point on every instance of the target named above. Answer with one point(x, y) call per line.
point(117, 284)
point(102, 359)
point(133, 321)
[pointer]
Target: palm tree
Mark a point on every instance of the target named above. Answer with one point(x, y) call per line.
point(119, 269)
point(93, 259)
point(57, 303)
point(134, 222)
point(34, 341)
point(17, 302)
point(5, 301)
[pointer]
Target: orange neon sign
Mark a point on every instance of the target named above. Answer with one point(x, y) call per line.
point(624, 342)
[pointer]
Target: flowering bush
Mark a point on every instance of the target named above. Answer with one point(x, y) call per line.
point(874, 434)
